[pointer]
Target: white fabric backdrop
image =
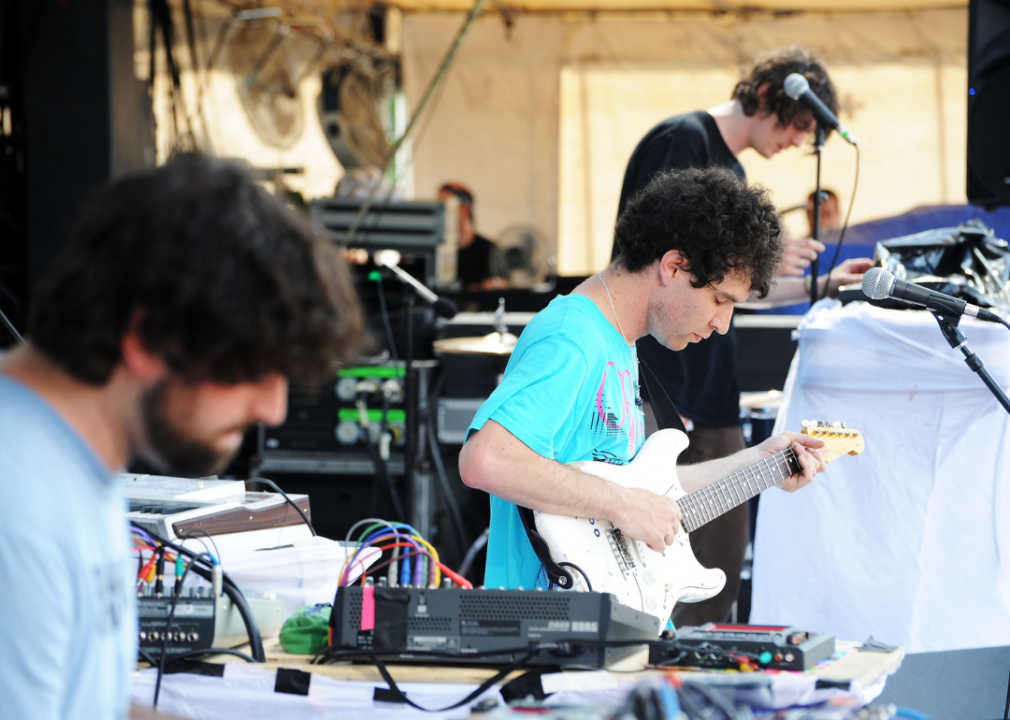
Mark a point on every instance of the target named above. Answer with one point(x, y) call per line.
point(907, 542)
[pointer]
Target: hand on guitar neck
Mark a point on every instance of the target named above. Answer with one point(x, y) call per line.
point(806, 448)
point(808, 453)
point(655, 519)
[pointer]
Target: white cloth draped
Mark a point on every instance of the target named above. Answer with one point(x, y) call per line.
point(908, 542)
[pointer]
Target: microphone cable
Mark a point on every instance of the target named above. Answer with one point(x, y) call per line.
point(845, 226)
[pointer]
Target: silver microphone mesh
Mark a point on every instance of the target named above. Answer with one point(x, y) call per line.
point(877, 283)
point(795, 85)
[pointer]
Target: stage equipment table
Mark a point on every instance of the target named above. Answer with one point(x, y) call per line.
point(345, 690)
point(907, 542)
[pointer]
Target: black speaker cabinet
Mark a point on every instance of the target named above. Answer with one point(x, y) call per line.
point(988, 102)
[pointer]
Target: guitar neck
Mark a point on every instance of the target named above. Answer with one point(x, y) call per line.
point(720, 497)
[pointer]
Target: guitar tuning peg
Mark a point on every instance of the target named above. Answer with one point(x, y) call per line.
point(837, 424)
point(807, 423)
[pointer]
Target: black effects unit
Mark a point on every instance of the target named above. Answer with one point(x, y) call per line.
point(722, 646)
point(410, 623)
point(192, 625)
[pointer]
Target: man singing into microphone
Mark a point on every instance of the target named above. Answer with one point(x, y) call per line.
point(701, 379)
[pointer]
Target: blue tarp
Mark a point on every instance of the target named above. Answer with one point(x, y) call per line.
point(861, 239)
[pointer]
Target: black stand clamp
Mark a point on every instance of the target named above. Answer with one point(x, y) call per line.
point(956, 339)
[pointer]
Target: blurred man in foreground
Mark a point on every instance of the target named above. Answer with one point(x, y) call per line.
point(172, 320)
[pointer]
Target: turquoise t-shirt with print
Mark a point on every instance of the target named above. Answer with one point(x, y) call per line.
point(569, 393)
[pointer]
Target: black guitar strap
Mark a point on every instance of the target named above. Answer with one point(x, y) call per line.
point(666, 417)
point(555, 573)
point(666, 414)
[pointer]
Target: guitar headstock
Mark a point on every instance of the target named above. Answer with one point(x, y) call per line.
point(838, 439)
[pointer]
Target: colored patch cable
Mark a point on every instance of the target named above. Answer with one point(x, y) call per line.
point(426, 554)
point(366, 541)
point(380, 531)
point(455, 577)
point(404, 540)
point(153, 569)
point(449, 573)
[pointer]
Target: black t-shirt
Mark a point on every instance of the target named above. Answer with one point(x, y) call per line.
point(473, 263)
point(700, 379)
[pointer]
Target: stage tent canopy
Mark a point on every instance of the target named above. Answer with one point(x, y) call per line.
point(532, 6)
point(542, 110)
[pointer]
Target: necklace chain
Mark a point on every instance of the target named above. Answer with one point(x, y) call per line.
point(612, 309)
point(634, 351)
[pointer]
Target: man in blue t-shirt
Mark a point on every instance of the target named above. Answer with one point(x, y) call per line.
point(169, 323)
point(701, 380)
point(692, 245)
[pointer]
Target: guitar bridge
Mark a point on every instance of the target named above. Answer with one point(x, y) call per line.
point(622, 552)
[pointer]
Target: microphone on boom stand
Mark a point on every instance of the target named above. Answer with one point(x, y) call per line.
point(443, 306)
point(798, 88)
point(879, 284)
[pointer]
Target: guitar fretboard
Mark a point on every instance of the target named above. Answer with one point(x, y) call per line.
point(722, 496)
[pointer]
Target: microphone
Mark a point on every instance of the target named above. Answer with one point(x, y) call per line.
point(443, 307)
point(797, 87)
point(878, 284)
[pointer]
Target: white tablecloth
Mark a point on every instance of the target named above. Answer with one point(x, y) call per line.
point(910, 541)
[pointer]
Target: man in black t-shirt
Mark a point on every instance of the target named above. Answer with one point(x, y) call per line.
point(701, 379)
point(476, 253)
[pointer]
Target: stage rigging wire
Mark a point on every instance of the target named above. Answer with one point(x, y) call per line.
point(435, 82)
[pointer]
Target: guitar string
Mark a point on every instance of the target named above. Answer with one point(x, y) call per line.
point(724, 494)
point(728, 489)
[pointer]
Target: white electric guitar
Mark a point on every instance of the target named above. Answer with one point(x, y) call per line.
point(653, 582)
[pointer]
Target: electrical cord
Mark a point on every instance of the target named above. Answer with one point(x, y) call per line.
point(233, 593)
point(11, 329)
point(845, 226)
point(382, 470)
point(211, 651)
point(194, 534)
point(332, 654)
point(481, 689)
point(387, 324)
point(471, 553)
point(176, 594)
point(1006, 709)
point(436, 456)
point(289, 501)
point(573, 566)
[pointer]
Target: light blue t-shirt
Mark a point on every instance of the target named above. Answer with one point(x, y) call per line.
point(569, 393)
point(68, 618)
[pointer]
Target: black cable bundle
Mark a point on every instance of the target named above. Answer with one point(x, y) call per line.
point(203, 568)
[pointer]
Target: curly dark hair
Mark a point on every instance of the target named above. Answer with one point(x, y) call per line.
point(720, 226)
point(228, 283)
point(773, 68)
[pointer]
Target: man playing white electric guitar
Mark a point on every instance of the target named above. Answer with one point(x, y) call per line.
point(692, 245)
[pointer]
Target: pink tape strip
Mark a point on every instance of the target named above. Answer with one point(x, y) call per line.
point(368, 608)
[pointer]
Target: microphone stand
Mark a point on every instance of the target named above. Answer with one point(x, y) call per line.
point(414, 447)
point(819, 137)
point(956, 339)
point(410, 402)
